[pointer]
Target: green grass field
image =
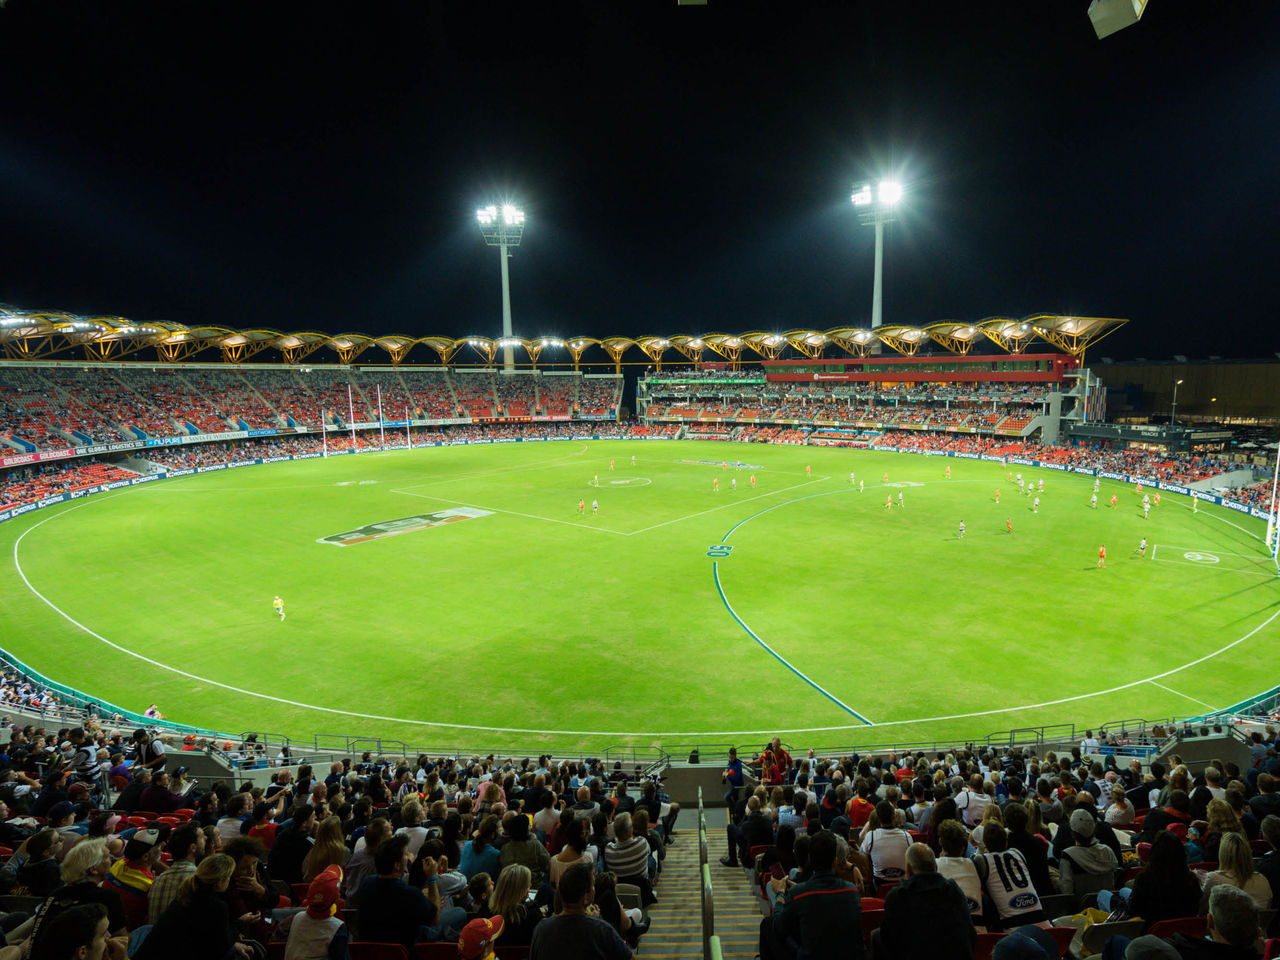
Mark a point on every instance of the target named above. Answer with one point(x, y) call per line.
point(533, 625)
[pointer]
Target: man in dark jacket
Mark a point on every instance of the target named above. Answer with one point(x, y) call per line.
point(755, 829)
point(292, 845)
point(926, 916)
point(1102, 831)
point(820, 919)
point(1033, 848)
point(1178, 811)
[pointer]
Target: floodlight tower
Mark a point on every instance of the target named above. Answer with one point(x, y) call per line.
point(1173, 415)
point(876, 209)
point(503, 227)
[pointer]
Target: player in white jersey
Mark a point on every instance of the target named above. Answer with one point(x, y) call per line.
point(1095, 484)
point(1146, 511)
point(733, 483)
point(961, 529)
point(900, 503)
point(1093, 501)
point(595, 506)
point(1035, 507)
point(851, 478)
point(1142, 547)
point(1042, 486)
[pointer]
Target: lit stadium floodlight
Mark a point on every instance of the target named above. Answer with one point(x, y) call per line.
point(503, 227)
point(1173, 414)
point(875, 208)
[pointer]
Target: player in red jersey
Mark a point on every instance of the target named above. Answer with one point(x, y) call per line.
point(582, 506)
point(1102, 555)
point(1113, 499)
point(753, 481)
point(1008, 524)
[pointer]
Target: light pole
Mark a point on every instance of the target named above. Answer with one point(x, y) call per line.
point(1173, 414)
point(876, 208)
point(503, 227)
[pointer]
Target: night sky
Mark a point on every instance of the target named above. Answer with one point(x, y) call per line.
point(317, 166)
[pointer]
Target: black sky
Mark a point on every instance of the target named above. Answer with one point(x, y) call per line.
point(684, 169)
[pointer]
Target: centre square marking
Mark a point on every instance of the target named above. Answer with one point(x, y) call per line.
point(392, 528)
point(621, 482)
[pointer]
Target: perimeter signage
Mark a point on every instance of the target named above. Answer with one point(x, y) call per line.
point(392, 528)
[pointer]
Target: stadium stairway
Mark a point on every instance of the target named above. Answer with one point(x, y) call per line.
point(676, 930)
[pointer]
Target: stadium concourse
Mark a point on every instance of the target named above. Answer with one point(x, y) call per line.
point(364, 856)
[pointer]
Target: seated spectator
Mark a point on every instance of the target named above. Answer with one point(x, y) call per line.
point(1007, 881)
point(391, 911)
point(1221, 820)
point(232, 823)
point(526, 850)
point(132, 875)
point(251, 890)
point(479, 854)
point(411, 816)
point(158, 798)
point(628, 857)
point(886, 844)
point(820, 918)
point(186, 847)
point(361, 863)
point(1120, 812)
point(319, 933)
point(1089, 866)
point(1165, 889)
point(80, 934)
point(1177, 811)
point(753, 830)
point(576, 850)
point(1232, 928)
point(509, 899)
point(1032, 846)
point(327, 851)
point(575, 932)
point(630, 923)
point(927, 915)
point(292, 845)
point(954, 865)
point(197, 924)
point(1235, 869)
point(83, 870)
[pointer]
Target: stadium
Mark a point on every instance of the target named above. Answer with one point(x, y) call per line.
point(352, 612)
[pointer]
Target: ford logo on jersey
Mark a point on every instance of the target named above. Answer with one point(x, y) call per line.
point(1024, 901)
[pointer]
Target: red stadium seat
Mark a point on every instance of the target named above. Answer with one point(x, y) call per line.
point(986, 944)
point(385, 951)
point(1272, 949)
point(1193, 927)
point(1062, 936)
point(871, 920)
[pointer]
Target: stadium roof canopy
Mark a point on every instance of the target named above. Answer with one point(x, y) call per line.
point(40, 334)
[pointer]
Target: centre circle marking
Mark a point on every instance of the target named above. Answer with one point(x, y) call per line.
point(621, 482)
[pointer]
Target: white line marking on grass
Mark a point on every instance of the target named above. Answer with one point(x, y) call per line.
point(514, 513)
point(583, 733)
point(725, 506)
point(1209, 707)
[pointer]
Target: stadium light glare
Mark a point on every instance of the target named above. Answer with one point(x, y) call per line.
point(890, 192)
point(503, 227)
point(1173, 413)
point(875, 208)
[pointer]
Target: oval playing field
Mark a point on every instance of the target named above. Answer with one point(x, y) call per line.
point(458, 596)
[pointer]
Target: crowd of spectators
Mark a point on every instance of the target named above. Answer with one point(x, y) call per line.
point(958, 843)
point(436, 849)
point(37, 481)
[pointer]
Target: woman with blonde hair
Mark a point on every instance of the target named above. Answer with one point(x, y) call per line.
point(329, 849)
point(1120, 810)
point(510, 899)
point(1222, 820)
point(990, 815)
point(1235, 868)
point(197, 924)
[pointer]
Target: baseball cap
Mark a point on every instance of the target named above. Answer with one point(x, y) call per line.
point(148, 838)
point(61, 809)
point(1041, 936)
point(1013, 947)
point(1082, 824)
point(54, 776)
point(476, 941)
point(322, 898)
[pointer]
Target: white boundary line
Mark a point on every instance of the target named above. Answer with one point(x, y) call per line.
point(1207, 706)
point(582, 733)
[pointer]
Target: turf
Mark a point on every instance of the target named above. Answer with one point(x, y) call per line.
point(538, 626)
